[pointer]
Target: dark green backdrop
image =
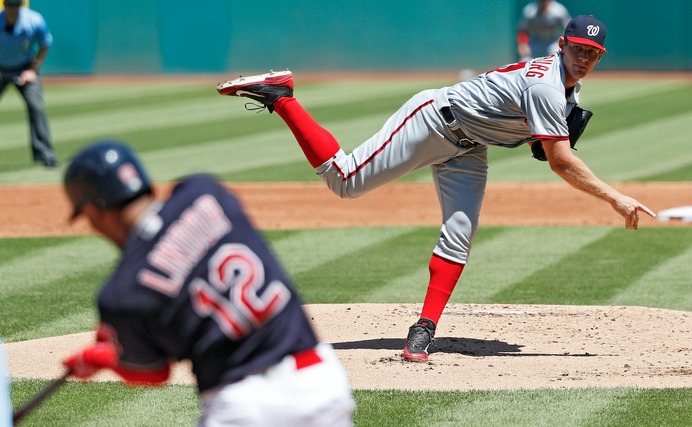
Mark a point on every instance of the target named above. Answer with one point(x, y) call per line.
point(212, 36)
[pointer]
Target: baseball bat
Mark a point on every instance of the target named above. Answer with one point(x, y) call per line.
point(40, 397)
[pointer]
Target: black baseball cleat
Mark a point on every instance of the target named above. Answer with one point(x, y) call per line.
point(51, 164)
point(418, 340)
point(264, 88)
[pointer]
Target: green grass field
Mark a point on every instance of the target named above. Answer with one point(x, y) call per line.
point(47, 285)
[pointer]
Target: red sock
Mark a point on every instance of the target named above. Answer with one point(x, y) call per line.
point(318, 144)
point(444, 275)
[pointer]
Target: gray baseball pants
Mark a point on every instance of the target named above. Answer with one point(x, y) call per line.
point(41, 147)
point(414, 137)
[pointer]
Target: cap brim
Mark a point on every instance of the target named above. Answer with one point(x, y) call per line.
point(586, 41)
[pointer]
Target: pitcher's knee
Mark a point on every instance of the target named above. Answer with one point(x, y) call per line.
point(345, 192)
point(343, 188)
point(456, 236)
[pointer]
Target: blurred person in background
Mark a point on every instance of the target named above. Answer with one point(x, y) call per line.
point(24, 43)
point(542, 23)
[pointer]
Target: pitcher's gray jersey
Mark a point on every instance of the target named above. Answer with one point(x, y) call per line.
point(515, 104)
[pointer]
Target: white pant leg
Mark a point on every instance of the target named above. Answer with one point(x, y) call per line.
point(460, 184)
point(414, 137)
point(318, 395)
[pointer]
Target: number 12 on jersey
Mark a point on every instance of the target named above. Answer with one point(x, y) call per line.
point(230, 296)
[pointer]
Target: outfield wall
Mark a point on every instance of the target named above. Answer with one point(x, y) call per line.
point(216, 36)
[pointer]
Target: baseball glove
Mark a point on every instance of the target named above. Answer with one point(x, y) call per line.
point(576, 123)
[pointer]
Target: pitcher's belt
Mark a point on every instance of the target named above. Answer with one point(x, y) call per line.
point(453, 126)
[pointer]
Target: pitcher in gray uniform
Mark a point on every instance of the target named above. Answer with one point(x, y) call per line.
point(450, 129)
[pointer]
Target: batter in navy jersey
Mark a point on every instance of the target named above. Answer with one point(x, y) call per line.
point(196, 281)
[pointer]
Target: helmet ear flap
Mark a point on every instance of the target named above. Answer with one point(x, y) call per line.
point(106, 174)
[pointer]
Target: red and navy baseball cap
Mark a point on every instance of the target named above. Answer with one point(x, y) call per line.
point(585, 29)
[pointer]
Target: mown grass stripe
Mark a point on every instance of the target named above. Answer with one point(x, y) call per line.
point(413, 286)
point(58, 96)
point(186, 105)
point(16, 248)
point(168, 122)
point(127, 119)
point(50, 264)
point(492, 258)
point(179, 130)
point(666, 286)
point(79, 99)
point(56, 262)
point(342, 280)
point(35, 173)
point(108, 404)
point(60, 307)
point(641, 110)
point(311, 249)
point(167, 406)
point(78, 320)
point(298, 170)
point(597, 92)
point(60, 314)
point(50, 291)
point(256, 150)
point(547, 408)
point(177, 95)
point(107, 117)
point(682, 173)
point(644, 407)
point(599, 271)
point(410, 287)
point(251, 146)
point(640, 151)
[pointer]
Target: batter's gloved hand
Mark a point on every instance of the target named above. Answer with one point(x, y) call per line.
point(576, 123)
point(89, 361)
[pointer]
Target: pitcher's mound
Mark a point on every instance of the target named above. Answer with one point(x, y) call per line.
point(512, 346)
point(477, 347)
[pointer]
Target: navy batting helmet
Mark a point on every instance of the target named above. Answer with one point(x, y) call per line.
point(107, 174)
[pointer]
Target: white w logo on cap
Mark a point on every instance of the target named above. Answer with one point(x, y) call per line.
point(592, 30)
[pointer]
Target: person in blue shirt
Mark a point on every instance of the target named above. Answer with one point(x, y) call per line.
point(24, 43)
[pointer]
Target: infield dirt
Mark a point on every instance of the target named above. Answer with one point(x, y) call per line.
point(476, 346)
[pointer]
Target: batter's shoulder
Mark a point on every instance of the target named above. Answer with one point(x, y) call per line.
point(33, 17)
point(198, 183)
